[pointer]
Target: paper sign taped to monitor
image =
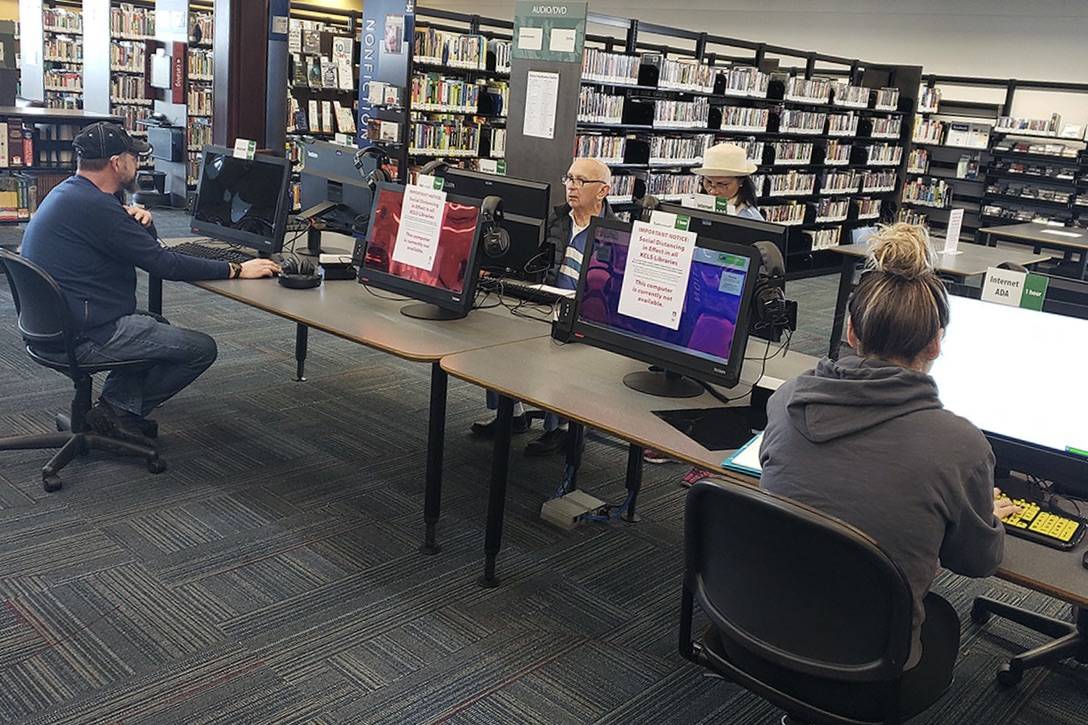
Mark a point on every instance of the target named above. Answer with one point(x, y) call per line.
point(655, 278)
point(420, 227)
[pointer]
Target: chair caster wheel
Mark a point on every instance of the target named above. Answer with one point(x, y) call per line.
point(979, 614)
point(156, 466)
point(51, 483)
point(1008, 677)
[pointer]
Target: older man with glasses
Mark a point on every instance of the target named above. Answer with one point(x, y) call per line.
point(587, 184)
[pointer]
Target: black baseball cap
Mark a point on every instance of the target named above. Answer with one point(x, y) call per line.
point(104, 139)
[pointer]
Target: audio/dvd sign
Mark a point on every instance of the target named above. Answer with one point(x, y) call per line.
point(549, 31)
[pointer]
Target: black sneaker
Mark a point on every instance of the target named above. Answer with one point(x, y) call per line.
point(553, 441)
point(105, 420)
point(518, 424)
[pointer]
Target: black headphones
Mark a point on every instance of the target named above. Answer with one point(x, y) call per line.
point(648, 205)
point(769, 300)
point(494, 239)
point(378, 174)
point(434, 168)
point(298, 272)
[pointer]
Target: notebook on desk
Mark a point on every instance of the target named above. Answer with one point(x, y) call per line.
point(746, 458)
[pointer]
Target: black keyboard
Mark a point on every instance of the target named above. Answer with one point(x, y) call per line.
point(527, 291)
point(222, 254)
point(1044, 526)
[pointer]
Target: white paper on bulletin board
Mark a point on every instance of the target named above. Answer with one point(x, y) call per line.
point(541, 101)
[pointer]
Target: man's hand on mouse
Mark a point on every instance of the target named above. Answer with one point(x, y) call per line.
point(139, 214)
point(255, 268)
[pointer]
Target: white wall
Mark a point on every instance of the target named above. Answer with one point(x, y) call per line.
point(1025, 39)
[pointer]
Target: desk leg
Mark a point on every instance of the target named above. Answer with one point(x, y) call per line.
point(846, 285)
point(634, 482)
point(576, 440)
point(302, 341)
point(154, 294)
point(496, 503)
point(1083, 263)
point(436, 446)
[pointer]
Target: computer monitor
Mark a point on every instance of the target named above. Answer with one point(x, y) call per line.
point(731, 228)
point(447, 290)
point(332, 189)
point(243, 201)
point(1016, 374)
point(707, 341)
point(525, 206)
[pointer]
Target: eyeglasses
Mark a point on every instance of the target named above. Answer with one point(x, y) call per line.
point(719, 183)
point(576, 182)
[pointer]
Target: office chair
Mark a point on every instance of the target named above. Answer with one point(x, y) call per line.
point(805, 611)
point(46, 327)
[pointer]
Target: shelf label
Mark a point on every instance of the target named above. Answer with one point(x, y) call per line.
point(244, 149)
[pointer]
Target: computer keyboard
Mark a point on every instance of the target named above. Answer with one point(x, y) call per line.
point(1043, 526)
point(529, 291)
point(222, 254)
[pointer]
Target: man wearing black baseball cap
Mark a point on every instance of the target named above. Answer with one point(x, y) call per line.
point(91, 244)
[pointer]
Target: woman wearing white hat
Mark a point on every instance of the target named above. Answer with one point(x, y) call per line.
point(727, 173)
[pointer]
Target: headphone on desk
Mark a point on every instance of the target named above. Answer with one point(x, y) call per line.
point(378, 174)
point(494, 239)
point(298, 272)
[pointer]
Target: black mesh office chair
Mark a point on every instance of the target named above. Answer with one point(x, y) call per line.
point(805, 611)
point(48, 333)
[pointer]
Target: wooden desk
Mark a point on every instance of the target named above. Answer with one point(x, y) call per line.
point(585, 385)
point(1043, 236)
point(973, 259)
point(346, 309)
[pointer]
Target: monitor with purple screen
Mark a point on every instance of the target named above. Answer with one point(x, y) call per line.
point(710, 339)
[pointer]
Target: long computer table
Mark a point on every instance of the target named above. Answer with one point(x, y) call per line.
point(585, 385)
point(346, 309)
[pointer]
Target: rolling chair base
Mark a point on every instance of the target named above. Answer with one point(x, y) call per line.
point(1071, 639)
point(73, 445)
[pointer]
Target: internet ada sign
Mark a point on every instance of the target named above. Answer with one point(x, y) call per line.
point(1016, 289)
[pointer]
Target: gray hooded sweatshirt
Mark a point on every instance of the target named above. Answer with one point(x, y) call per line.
point(869, 443)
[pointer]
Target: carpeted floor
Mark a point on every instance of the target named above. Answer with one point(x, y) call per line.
point(271, 575)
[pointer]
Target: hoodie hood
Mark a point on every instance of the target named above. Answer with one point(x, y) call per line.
point(853, 394)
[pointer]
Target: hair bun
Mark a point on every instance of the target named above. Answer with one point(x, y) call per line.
point(901, 250)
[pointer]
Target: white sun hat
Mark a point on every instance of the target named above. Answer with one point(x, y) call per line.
point(725, 159)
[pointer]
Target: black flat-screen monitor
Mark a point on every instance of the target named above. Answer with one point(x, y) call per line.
point(731, 228)
point(447, 287)
point(525, 206)
point(243, 201)
point(329, 178)
point(1015, 374)
point(705, 340)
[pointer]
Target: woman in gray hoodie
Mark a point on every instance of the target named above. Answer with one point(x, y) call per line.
point(866, 440)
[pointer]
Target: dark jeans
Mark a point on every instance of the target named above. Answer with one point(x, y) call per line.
point(551, 420)
point(179, 356)
point(921, 685)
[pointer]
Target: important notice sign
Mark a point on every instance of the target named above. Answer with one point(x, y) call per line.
point(655, 278)
point(420, 227)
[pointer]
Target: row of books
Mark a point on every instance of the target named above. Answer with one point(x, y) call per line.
point(1034, 168)
point(832, 210)
point(999, 211)
point(824, 238)
point(62, 20)
point(790, 214)
point(61, 49)
point(595, 106)
point(19, 195)
point(965, 135)
point(199, 100)
point(685, 75)
point(453, 138)
point(602, 67)
point(313, 37)
point(623, 189)
point(912, 216)
point(884, 155)
point(918, 161)
point(129, 21)
point(1057, 150)
point(682, 114)
point(791, 183)
point(742, 80)
point(840, 182)
point(878, 181)
point(198, 134)
point(433, 92)
point(741, 118)
point(929, 100)
point(498, 143)
point(460, 50)
point(808, 90)
point(1031, 126)
point(887, 99)
point(850, 96)
point(1030, 193)
point(886, 127)
point(609, 149)
point(842, 124)
point(928, 192)
point(128, 89)
point(127, 55)
point(795, 121)
point(672, 186)
point(868, 208)
point(68, 80)
point(201, 28)
point(17, 145)
point(64, 99)
point(795, 153)
point(837, 153)
point(665, 150)
point(201, 64)
point(311, 71)
point(320, 116)
point(131, 114)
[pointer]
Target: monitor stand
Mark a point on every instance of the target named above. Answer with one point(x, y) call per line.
point(663, 384)
point(425, 311)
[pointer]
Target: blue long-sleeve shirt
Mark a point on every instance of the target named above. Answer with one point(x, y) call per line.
point(90, 245)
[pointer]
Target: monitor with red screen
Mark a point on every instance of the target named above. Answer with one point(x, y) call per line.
point(450, 281)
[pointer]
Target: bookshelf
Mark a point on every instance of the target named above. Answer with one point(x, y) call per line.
point(829, 151)
point(199, 69)
point(132, 36)
point(62, 54)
